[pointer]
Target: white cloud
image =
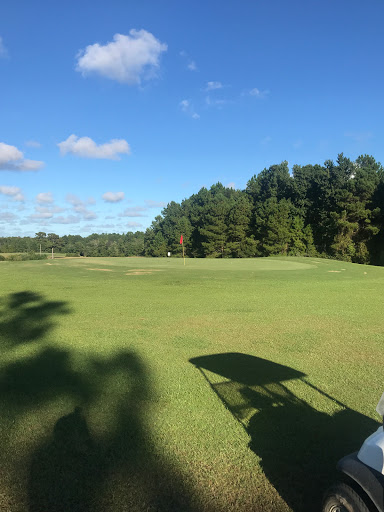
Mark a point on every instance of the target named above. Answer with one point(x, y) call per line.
point(3, 50)
point(44, 198)
point(41, 215)
point(211, 86)
point(215, 102)
point(79, 206)
point(191, 63)
point(45, 212)
point(14, 192)
point(257, 93)
point(74, 200)
point(134, 225)
point(86, 214)
point(113, 197)
point(33, 144)
point(49, 209)
point(231, 184)
point(71, 219)
point(187, 107)
point(12, 159)
point(127, 59)
point(154, 204)
point(85, 147)
point(136, 211)
point(7, 217)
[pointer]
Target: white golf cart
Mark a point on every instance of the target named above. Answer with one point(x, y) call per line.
point(363, 489)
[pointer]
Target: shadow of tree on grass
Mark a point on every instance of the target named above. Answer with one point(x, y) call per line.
point(60, 464)
point(298, 445)
point(26, 317)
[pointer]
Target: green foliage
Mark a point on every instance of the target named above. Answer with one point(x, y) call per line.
point(241, 242)
point(214, 230)
point(35, 256)
point(274, 226)
point(16, 257)
point(128, 244)
point(25, 256)
point(335, 209)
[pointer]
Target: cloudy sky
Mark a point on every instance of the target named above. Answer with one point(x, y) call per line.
point(109, 110)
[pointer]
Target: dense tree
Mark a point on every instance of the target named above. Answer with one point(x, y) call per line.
point(54, 242)
point(41, 239)
point(214, 229)
point(240, 242)
point(335, 209)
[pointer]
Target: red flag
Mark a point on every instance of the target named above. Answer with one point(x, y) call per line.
point(181, 240)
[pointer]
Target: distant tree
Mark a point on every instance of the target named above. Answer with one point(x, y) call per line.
point(272, 182)
point(240, 241)
point(214, 226)
point(273, 226)
point(41, 240)
point(159, 245)
point(54, 242)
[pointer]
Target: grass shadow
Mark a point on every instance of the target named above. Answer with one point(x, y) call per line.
point(27, 317)
point(65, 471)
point(298, 445)
point(121, 468)
point(58, 461)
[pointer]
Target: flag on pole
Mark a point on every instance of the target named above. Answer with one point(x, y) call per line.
point(181, 240)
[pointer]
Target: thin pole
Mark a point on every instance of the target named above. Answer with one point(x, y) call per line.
point(183, 252)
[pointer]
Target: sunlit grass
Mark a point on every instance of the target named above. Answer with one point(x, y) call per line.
point(115, 336)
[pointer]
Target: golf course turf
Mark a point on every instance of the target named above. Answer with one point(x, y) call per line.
point(141, 384)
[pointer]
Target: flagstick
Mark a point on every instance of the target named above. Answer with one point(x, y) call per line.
point(183, 253)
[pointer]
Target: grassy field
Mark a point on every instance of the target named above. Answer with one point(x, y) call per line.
point(135, 384)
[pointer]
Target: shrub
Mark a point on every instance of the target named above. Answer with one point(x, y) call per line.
point(14, 257)
point(26, 256)
point(2, 258)
point(34, 256)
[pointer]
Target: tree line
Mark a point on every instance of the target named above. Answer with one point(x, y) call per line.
point(332, 210)
point(111, 244)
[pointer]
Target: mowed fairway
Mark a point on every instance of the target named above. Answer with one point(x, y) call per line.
point(224, 385)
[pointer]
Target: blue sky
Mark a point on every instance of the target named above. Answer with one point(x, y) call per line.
point(109, 110)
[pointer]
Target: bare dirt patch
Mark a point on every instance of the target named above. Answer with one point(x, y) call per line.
point(336, 271)
point(142, 271)
point(146, 270)
point(138, 273)
point(101, 269)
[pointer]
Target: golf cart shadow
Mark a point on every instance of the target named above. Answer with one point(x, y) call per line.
point(298, 445)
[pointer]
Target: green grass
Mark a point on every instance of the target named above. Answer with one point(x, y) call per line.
point(224, 385)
